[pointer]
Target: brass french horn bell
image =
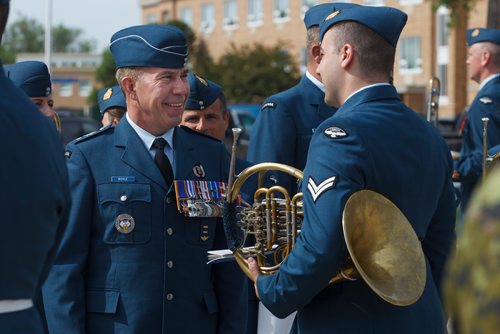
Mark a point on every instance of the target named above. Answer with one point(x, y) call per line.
point(384, 248)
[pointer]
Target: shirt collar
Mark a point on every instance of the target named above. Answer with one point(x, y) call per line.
point(315, 81)
point(147, 138)
point(366, 87)
point(488, 79)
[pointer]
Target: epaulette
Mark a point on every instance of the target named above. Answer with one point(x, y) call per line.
point(198, 133)
point(92, 134)
point(268, 105)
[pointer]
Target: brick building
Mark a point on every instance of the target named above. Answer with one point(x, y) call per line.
point(427, 47)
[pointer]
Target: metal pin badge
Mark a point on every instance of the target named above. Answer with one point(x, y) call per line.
point(124, 223)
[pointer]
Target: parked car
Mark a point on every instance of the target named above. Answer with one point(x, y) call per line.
point(241, 116)
point(75, 125)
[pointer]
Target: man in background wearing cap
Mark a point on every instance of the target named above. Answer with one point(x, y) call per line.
point(34, 206)
point(287, 120)
point(130, 261)
point(112, 105)
point(364, 145)
point(33, 78)
point(484, 68)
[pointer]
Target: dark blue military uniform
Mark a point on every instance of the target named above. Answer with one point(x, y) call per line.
point(372, 142)
point(284, 128)
point(374, 132)
point(470, 165)
point(486, 104)
point(35, 202)
point(155, 278)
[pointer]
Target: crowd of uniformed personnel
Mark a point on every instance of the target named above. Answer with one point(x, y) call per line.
point(95, 239)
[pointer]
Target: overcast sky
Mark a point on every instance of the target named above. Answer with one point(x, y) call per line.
point(98, 19)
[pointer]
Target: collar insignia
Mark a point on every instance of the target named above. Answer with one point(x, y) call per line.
point(486, 100)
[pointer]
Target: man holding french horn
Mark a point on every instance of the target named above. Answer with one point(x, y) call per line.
point(375, 146)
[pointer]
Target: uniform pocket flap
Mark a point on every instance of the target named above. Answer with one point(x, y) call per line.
point(211, 302)
point(123, 193)
point(102, 301)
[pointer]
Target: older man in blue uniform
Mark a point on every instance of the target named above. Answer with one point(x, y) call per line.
point(34, 203)
point(484, 68)
point(112, 105)
point(130, 262)
point(364, 145)
point(287, 120)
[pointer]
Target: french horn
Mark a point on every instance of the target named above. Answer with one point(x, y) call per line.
point(384, 250)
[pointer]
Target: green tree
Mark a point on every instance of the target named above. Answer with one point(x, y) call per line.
point(457, 7)
point(252, 73)
point(201, 61)
point(66, 39)
point(24, 35)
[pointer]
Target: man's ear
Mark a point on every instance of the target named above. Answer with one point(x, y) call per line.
point(315, 53)
point(485, 58)
point(128, 87)
point(346, 55)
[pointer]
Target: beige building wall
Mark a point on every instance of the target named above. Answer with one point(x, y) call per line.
point(443, 57)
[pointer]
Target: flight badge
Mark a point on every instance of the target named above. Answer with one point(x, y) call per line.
point(125, 223)
point(199, 171)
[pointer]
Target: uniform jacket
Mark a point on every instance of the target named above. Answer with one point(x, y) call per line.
point(34, 202)
point(284, 128)
point(155, 278)
point(372, 142)
point(470, 165)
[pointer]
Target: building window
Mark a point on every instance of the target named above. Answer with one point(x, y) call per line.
point(410, 58)
point(442, 53)
point(230, 13)
point(207, 18)
point(306, 4)
point(85, 88)
point(374, 2)
point(281, 11)
point(187, 15)
point(66, 89)
point(255, 13)
point(151, 19)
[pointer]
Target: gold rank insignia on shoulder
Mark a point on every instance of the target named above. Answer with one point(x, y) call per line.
point(200, 198)
point(332, 15)
point(124, 223)
point(486, 100)
point(475, 33)
point(108, 94)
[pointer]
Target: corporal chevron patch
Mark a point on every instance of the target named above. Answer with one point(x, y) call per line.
point(317, 189)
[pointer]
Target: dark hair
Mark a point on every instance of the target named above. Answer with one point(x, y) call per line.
point(116, 112)
point(376, 55)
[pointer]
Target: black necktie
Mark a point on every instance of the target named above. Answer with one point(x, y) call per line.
point(162, 161)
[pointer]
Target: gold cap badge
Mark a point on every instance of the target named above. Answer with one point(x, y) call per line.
point(200, 79)
point(332, 15)
point(108, 94)
point(475, 33)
